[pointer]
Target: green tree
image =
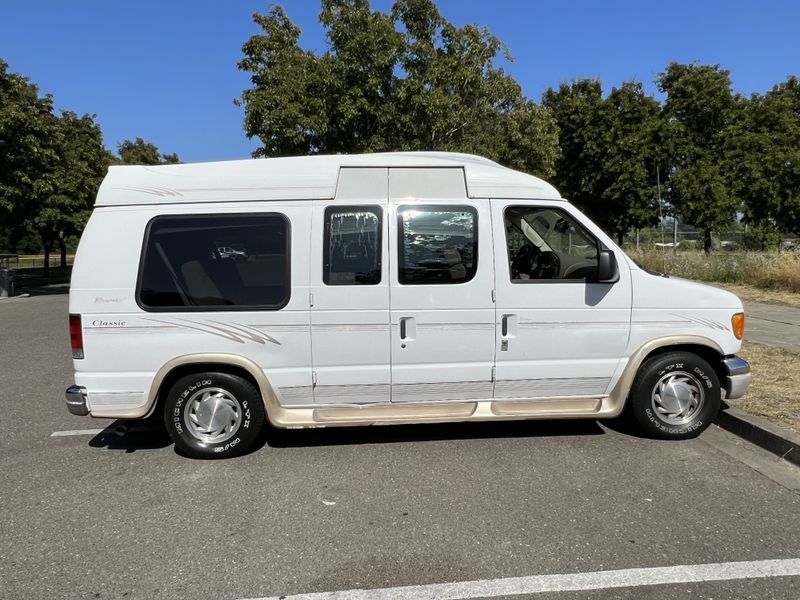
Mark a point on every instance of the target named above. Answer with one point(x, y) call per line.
point(27, 125)
point(583, 125)
point(633, 155)
point(50, 166)
point(286, 107)
point(405, 81)
point(140, 152)
point(697, 113)
point(609, 152)
point(72, 181)
point(763, 159)
point(357, 72)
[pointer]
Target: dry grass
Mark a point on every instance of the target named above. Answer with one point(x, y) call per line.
point(33, 261)
point(754, 294)
point(765, 270)
point(775, 391)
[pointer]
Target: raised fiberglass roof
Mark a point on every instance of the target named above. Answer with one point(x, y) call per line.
point(299, 178)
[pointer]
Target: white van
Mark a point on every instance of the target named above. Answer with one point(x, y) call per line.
point(385, 288)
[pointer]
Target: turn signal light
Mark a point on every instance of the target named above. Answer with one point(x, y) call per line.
point(76, 336)
point(737, 322)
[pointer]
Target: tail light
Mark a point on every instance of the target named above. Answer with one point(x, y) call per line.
point(737, 322)
point(76, 336)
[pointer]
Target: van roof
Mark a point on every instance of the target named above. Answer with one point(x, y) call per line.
point(299, 178)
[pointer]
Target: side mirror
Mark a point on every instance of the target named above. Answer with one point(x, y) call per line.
point(607, 268)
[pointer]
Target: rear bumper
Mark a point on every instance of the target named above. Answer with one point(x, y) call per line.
point(737, 378)
point(75, 399)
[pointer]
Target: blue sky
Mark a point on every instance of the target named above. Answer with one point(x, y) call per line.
point(166, 70)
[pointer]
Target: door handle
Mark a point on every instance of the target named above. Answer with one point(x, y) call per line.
point(508, 326)
point(408, 329)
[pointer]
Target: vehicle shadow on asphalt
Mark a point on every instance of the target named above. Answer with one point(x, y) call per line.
point(130, 436)
point(393, 434)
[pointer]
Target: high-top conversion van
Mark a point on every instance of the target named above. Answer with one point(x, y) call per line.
point(386, 288)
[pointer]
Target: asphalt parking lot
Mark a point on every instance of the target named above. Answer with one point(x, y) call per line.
point(112, 515)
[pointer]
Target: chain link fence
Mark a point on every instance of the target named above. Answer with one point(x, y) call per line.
point(687, 239)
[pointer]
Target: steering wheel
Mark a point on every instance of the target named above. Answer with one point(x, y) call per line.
point(546, 265)
point(524, 261)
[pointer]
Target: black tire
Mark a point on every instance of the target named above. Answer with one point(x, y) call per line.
point(680, 375)
point(213, 415)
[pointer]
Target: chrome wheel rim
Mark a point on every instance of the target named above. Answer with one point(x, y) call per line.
point(212, 415)
point(678, 397)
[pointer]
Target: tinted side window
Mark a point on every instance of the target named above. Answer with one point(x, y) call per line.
point(215, 262)
point(352, 245)
point(546, 244)
point(438, 244)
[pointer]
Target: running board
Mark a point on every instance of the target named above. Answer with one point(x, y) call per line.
point(440, 412)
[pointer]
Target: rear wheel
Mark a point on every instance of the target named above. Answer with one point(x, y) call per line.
point(213, 415)
point(675, 396)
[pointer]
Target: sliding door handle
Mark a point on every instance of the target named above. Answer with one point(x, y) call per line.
point(508, 326)
point(408, 328)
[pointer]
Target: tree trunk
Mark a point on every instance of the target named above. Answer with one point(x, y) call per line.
point(62, 246)
point(47, 260)
point(46, 245)
point(620, 238)
point(707, 241)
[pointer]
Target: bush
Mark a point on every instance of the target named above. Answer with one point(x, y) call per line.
point(767, 270)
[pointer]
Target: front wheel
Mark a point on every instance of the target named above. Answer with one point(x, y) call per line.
point(213, 415)
point(675, 396)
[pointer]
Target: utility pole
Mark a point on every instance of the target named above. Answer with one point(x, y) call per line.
point(660, 205)
point(675, 232)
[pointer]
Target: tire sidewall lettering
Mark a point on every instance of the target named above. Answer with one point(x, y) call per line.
point(658, 423)
point(245, 395)
point(644, 385)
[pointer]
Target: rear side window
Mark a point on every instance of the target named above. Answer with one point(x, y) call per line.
point(352, 245)
point(438, 244)
point(215, 262)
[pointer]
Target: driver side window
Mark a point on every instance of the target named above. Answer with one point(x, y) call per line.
point(546, 244)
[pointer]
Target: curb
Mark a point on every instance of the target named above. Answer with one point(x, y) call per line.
point(771, 437)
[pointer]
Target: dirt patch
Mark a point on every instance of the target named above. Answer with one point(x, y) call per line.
point(775, 391)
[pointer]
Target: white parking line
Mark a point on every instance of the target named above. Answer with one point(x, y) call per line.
point(76, 432)
point(122, 430)
point(567, 582)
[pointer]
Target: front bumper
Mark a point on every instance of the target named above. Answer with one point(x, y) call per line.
point(75, 398)
point(737, 377)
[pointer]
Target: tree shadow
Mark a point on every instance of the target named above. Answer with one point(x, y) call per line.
point(26, 291)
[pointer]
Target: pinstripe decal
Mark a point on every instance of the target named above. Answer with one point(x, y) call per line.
point(683, 320)
point(450, 326)
point(230, 331)
point(571, 324)
point(329, 327)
